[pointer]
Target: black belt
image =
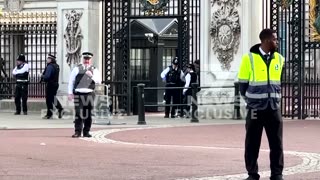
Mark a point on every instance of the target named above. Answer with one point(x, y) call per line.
point(80, 93)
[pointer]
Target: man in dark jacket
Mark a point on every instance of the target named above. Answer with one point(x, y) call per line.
point(51, 77)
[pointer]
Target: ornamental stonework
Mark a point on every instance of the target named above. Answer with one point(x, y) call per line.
point(225, 31)
point(13, 5)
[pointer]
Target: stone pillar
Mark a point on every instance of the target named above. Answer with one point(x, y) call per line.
point(222, 46)
point(89, 14)
point(255, 20)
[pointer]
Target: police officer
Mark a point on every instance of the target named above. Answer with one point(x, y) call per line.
point(51, 77)
point(191, 77)
point(174, 77)
point(260, 85)
point(81, 87)
point(21, 73)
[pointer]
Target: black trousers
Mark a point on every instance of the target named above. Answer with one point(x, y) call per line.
point(83, 103)
point(51, 99)
point(186, 108)
point(271, 120)
point(21, 93)
point(174, 95)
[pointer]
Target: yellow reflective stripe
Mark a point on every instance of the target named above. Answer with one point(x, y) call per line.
point(275, 82)
point(257, 96)
point(243, 80)
point(275, 95)
point(259, 83)
point(280, 59)
point(252, 65)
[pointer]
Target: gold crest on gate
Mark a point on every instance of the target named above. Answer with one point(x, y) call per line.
point(153, 2)
point(154, 7)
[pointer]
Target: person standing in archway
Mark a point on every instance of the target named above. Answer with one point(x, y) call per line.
point(174, 77)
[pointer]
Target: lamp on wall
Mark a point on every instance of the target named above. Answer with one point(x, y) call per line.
point(150, 37)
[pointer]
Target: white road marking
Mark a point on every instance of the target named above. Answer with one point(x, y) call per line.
point(310, 161)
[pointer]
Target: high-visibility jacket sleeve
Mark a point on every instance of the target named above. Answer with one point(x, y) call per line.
point(282, 62)
point(244, 74)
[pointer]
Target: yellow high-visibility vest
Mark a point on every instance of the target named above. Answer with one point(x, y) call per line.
point(264, 82)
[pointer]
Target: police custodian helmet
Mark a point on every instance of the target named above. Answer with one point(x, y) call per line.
point(21, 57)
point(175, 61)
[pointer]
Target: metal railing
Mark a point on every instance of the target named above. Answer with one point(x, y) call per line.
point(35, 88)
point(194, 102)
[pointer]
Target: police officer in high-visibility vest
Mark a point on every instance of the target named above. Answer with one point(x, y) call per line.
point(21, 73)
point(81, 87)
point(51, 77)
point(260, 85)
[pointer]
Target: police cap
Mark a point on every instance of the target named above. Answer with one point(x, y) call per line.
point(87, 55)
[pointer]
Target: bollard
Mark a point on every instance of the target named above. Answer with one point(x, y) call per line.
point(194, 104)
point(236, 113)
point(141, 112)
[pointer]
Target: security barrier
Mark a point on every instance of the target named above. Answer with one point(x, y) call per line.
point(194, 104)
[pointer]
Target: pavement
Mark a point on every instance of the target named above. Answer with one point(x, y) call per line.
point(34, 148)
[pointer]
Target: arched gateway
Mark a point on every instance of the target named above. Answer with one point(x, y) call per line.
point(141, 37)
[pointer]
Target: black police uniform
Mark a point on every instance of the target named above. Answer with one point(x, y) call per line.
point(193, 79)
point(83, 90)
point(51, 77)
point(173, 79)
point(21, 73)
point(84, 104)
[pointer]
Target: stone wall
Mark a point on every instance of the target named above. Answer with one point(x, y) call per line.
point(229, 29)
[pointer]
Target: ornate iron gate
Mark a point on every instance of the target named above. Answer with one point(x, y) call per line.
point(118, 15)
point(33, 34)
point(298, 26)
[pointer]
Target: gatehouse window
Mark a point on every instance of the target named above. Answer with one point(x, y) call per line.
point(168, 55)
point(139, 64)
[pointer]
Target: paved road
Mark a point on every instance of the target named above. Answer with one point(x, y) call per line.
point(164, 149)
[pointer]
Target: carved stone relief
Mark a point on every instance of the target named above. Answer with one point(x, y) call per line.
point(73, 37)
point(225, 31)
point(13, 5)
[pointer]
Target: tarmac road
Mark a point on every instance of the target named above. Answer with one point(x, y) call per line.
point(159, 152)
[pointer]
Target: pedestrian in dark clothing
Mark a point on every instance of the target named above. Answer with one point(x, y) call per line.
point(191, 77)
point(51, 77)
point(21, 73)
point(260, 85)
